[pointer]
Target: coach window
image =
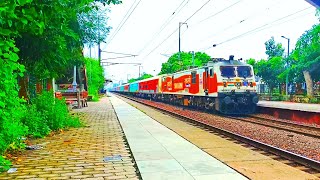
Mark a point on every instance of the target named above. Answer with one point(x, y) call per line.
point(211, 72)
point(194, 77)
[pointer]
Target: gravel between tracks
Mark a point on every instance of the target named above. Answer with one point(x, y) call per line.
point(293, 142)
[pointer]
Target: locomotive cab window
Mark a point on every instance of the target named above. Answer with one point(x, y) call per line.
point(211, 72)
point(227, 71)
point(244, 71)
point(193, 77)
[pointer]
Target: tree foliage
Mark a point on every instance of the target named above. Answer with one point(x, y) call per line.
point(39, 38)
point(144, 76)
point(307, 51)
point(13, 22)
point(306, 56)
point(269, 70)
point(175, 63)
point(273, 49)
point(272, 71)
point(66, 27)
point(95, 77)
point(94, 25)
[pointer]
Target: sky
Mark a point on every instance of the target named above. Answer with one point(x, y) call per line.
point(150, 30)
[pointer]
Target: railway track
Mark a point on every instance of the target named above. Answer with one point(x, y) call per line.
point(282, 125)
point(295, 158)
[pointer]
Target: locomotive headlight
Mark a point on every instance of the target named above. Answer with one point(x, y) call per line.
point(251, 84)
point(227, 100)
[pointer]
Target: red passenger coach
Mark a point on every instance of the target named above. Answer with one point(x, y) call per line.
point(149, 85)
point(126, 87)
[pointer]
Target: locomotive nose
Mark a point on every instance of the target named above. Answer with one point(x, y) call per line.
point(255, 99)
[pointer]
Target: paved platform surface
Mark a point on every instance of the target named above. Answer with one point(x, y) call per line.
point(253, 164)
point(79, 153)
point(162, 154)
point(291, 105)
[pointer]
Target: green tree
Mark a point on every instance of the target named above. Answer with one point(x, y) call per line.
point(175, 64)
point(306, 57)
point(269, 71)
point(65, 31)
point(95, 77)
point(13, 21)
point(143, 76)
point(273, 49)
point(251, 61)
point(94, 25)
point(41, 37)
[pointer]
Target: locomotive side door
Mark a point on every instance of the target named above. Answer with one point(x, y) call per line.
point(206, 80)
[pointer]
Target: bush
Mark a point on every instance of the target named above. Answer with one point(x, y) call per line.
point(46, 114)
point(51, 113)
point(37, 125)
point(314, 100)
point(4, 164)
point(11, 133)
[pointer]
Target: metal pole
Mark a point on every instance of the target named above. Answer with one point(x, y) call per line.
point(139, 71)
point(192, 58)
point(179, 40)
point(180, 24)
point(99, 53)
point(287, 65)
point(99, 50)
point(287, 77)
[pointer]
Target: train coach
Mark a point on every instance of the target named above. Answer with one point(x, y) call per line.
point(226, 86)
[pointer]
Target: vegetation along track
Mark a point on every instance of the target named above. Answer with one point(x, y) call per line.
point(314, 164)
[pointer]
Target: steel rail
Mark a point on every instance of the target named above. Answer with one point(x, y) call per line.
point(313, 128)
point(273, 122)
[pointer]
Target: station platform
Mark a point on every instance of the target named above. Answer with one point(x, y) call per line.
point(160, 153)
point(291, 106)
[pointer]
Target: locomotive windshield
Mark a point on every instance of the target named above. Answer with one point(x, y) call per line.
point(244, 71)
point(227, 71)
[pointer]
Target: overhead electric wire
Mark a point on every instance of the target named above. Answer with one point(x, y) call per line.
point(209, 17)
point(177, 29)
point(197, 11)
point(238, 23)
point(200, 21)
point(121, 57)
point(120, 26)
point(124, 17)
point(257, 29)
point(246, 33)
point(284, 22)
point(165, 24)
point(220, 11)
point(119, 53)
point(173, 43)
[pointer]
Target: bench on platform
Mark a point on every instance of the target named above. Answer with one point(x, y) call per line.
point(80, 97)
